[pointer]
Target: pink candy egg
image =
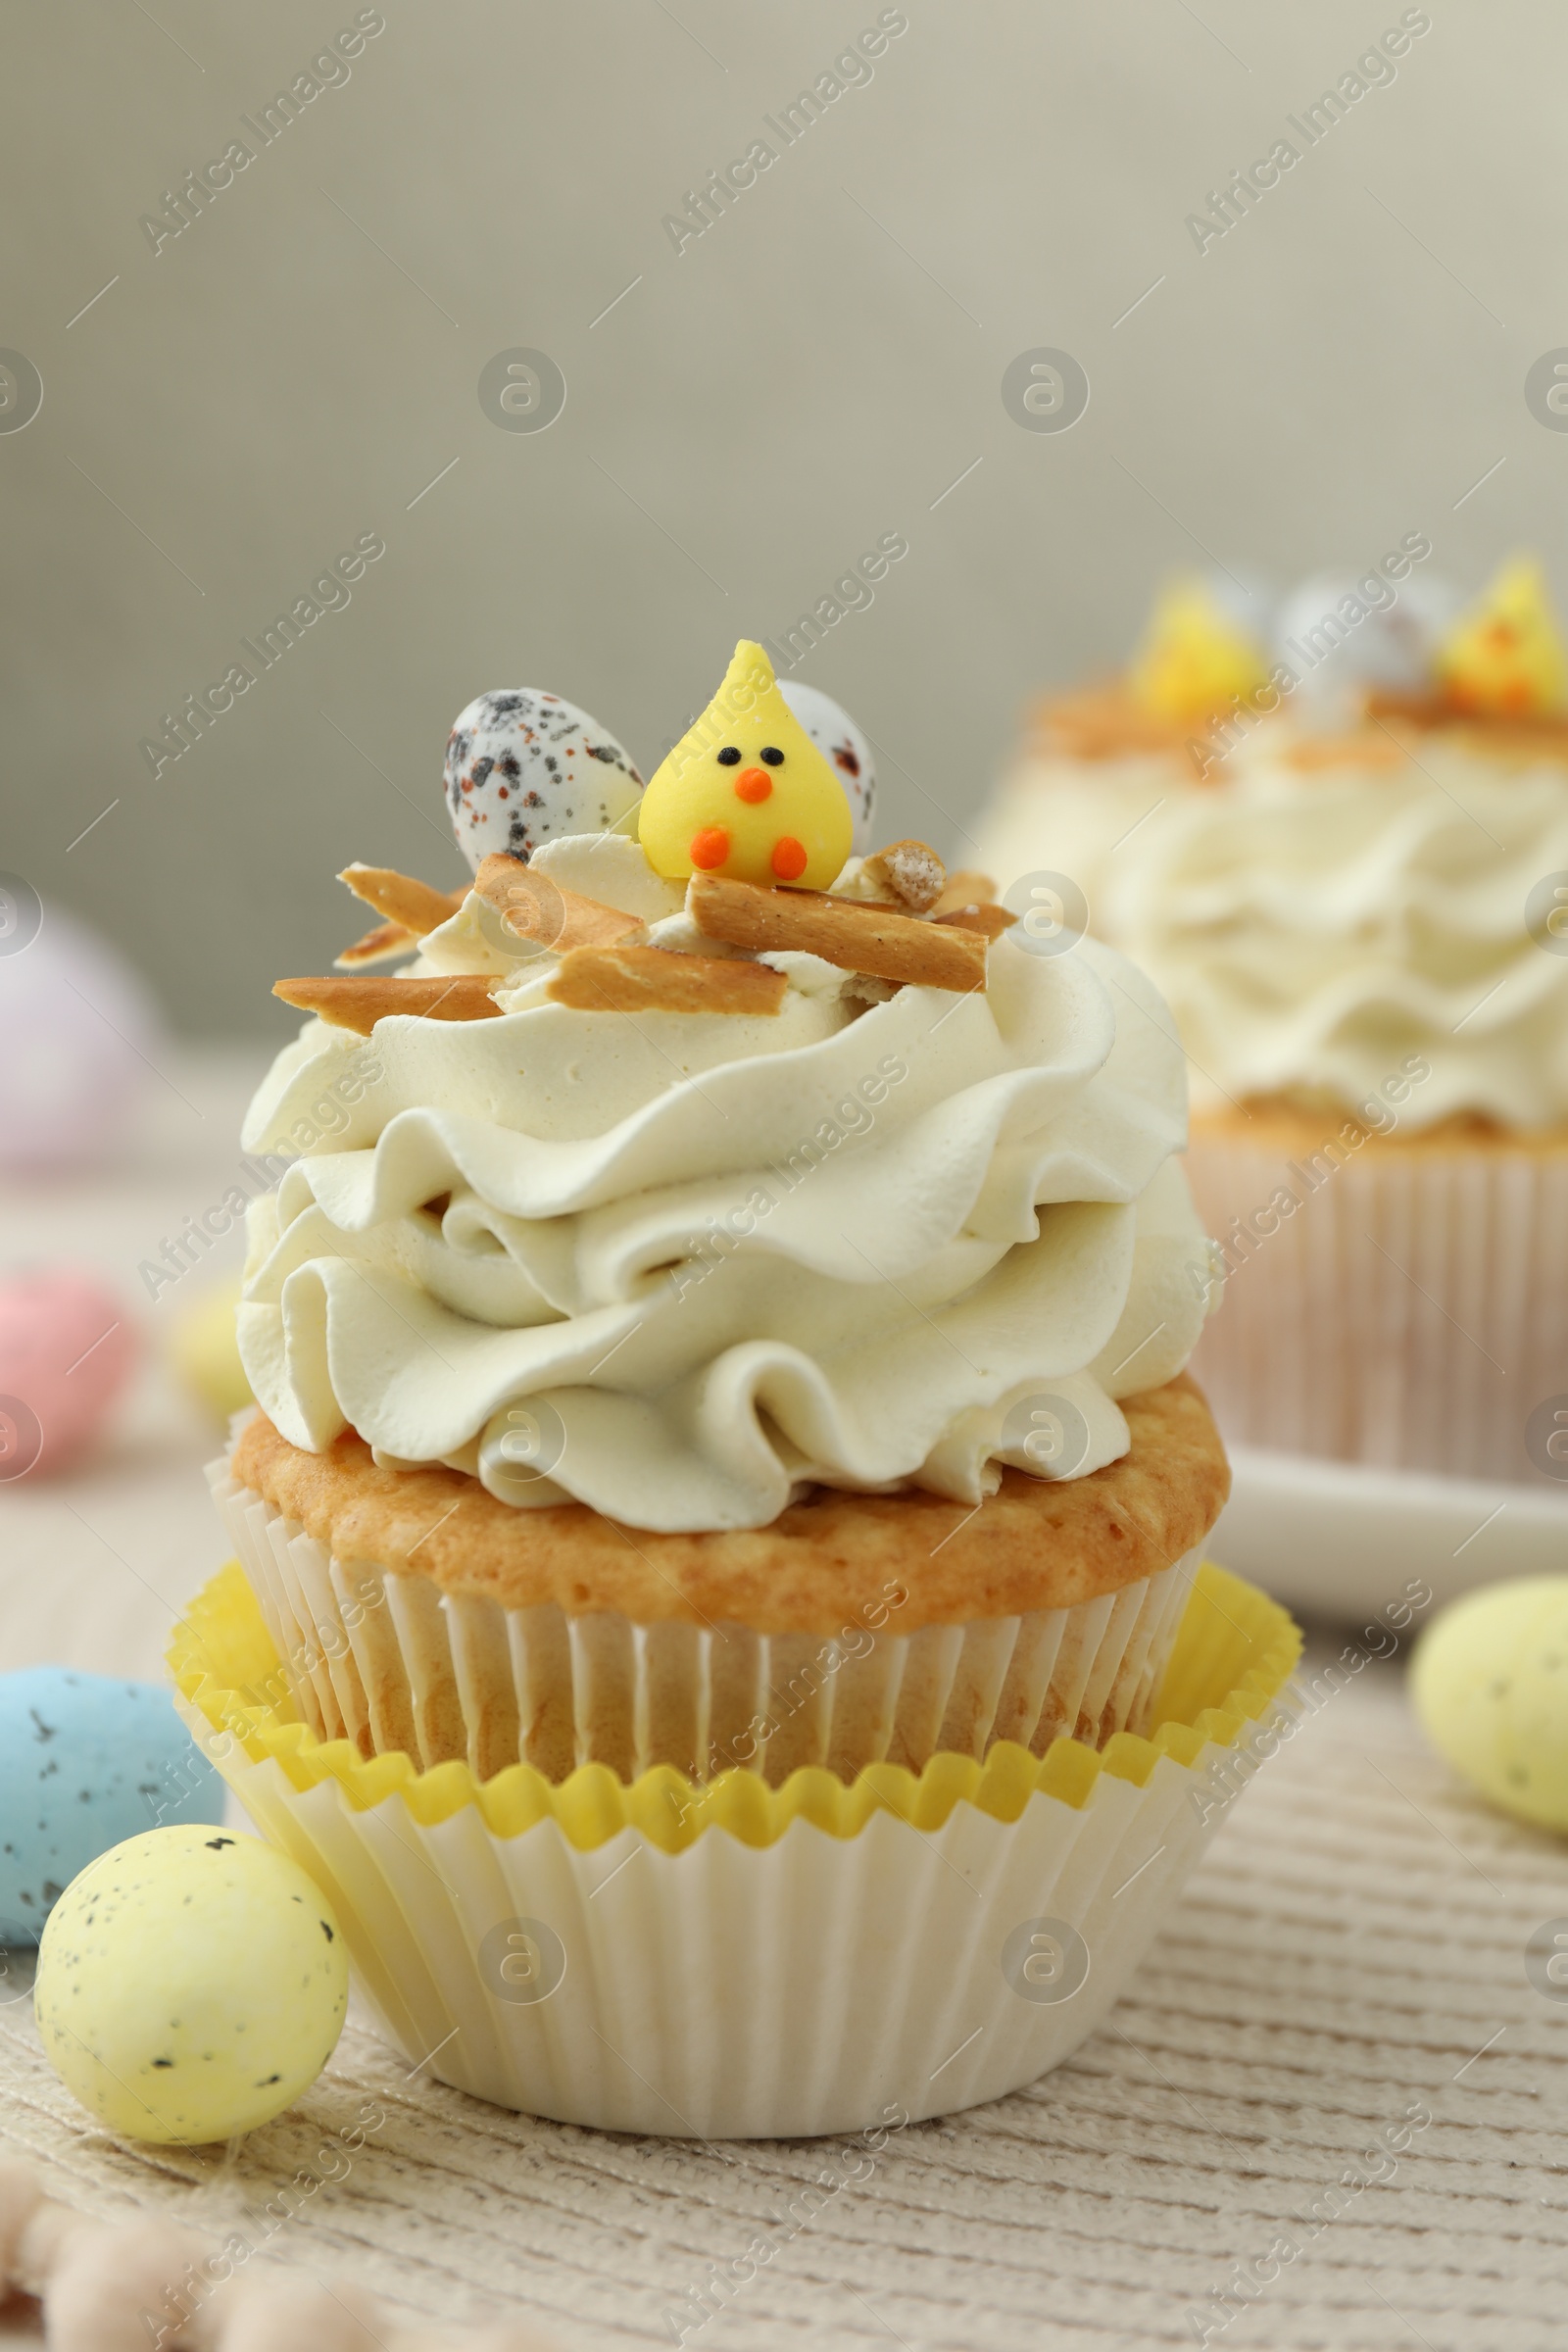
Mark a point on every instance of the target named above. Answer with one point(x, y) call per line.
point(67, 1350)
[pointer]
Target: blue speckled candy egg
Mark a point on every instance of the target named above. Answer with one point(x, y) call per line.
point(525, 768)
point(85, 1762)
point(845, 749)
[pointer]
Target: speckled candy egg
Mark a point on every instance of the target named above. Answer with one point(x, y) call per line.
point(204, 1349)
point(841, 743)
point(1337, 657)
point(190, 1985)
point(85, 1762)
point(525, 768)
point(1490, 1683)
point(67, 1349)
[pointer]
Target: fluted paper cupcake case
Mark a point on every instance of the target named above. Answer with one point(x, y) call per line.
point(387, 1662)
point(730, 1960)
point(1410, 1312)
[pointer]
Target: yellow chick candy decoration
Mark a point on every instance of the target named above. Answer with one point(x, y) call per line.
point(1193, 661)
point(1505, 657)
point(746, 793)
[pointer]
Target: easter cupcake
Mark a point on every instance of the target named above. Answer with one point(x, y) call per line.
point(731, 1356)
point(1347, 874)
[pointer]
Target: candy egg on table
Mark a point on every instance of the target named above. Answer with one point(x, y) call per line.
point(78, 1034)
point(67, 1350)
point(746, 793)
point(204, 1349)
point(1490, 1683)
point(845, 750)
point(525, 768)
point(192, 1985)
point(85, 1762)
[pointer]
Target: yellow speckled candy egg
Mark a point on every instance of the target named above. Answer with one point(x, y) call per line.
point(1490, 1683)
point(205, 1352)
point(191, 1984)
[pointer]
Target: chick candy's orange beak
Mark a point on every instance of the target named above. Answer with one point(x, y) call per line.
point(746, 793)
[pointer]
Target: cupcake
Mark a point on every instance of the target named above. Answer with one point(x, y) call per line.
point(1347, 882)
point(721, 1366)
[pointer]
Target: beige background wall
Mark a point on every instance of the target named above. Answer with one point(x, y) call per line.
point(814, 372)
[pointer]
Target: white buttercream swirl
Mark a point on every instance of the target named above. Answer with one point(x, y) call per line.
point(1315, 931)
point(717, 1260)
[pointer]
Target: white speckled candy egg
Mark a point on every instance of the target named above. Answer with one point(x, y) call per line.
point(190, 1985)
point(525, 768)
point(79, 1040)
point(842, 743)
point(86, 1761)
point(1490, 1683)
point(1337, 657)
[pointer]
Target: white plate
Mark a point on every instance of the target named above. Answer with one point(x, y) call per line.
point(1338, 1538)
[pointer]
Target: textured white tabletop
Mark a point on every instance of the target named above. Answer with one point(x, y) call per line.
point(1349, 1959)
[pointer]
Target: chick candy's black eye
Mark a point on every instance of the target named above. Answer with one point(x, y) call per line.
point(730, 756)
point(774, 759)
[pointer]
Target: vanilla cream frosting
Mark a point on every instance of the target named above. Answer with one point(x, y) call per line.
point(715, 1259)
point(1317, 930)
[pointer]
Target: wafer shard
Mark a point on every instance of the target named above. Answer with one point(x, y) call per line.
point(989, 920)
point(399, 899)
point(859, 939)
point(912, 870)
point(357, 1002)
point(386, 939)
point(632, 979)
point(532, 911)
point(965, 888)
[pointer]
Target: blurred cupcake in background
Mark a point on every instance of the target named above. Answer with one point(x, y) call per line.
point(1343, 857)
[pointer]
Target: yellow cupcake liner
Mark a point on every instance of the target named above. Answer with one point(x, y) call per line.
point(383, 1661)
point(1233, 1653)
point(847, 1958)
